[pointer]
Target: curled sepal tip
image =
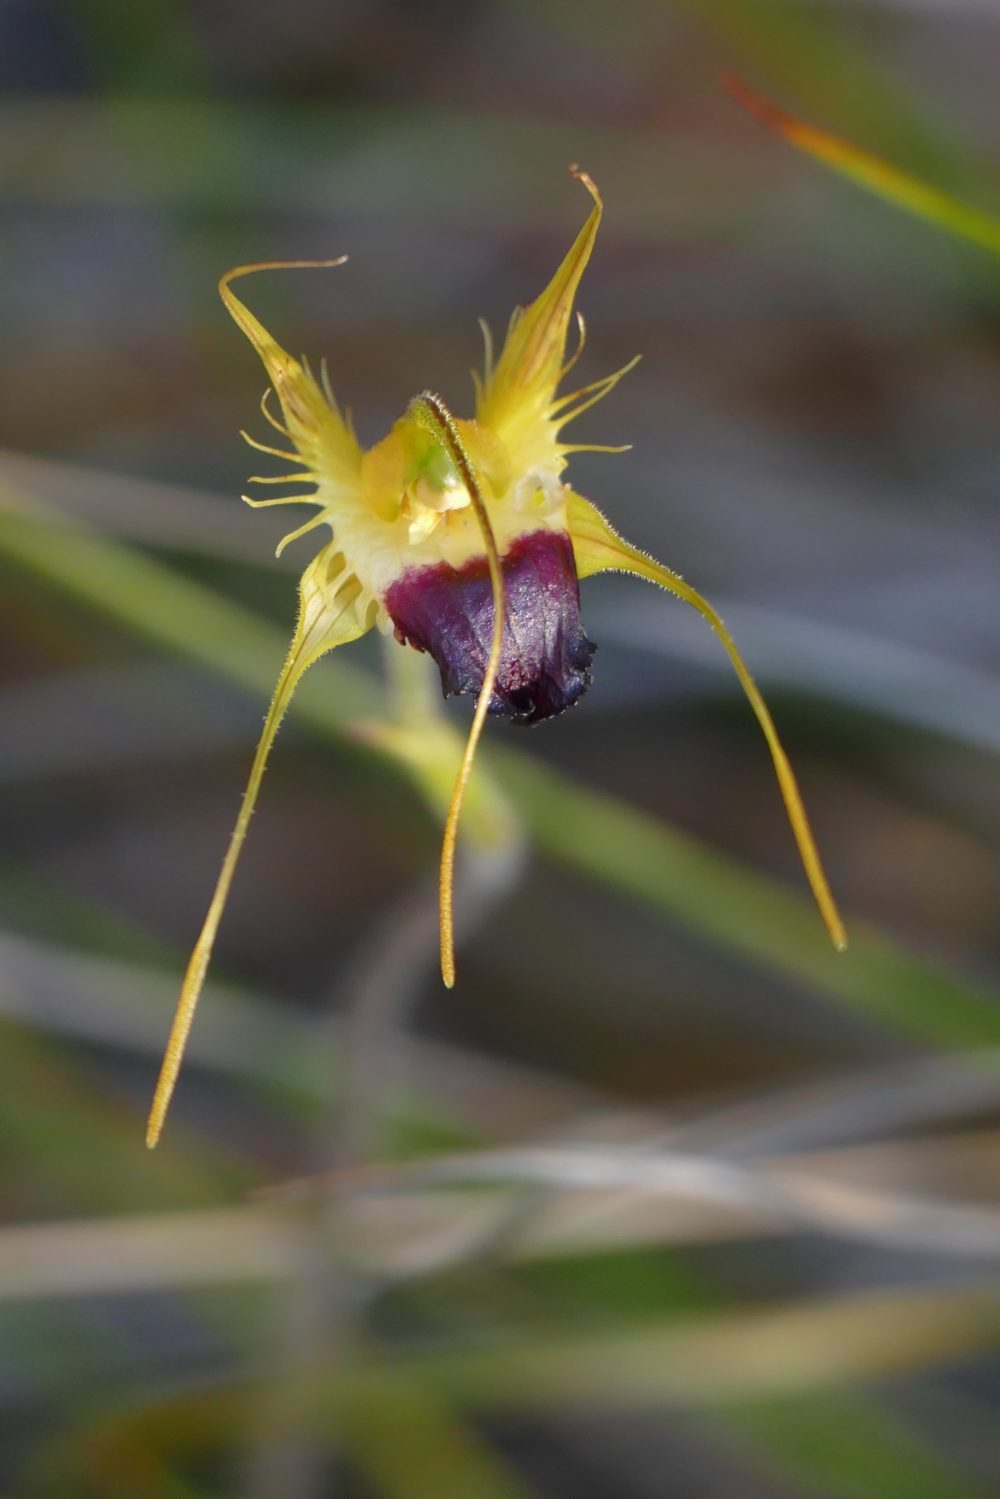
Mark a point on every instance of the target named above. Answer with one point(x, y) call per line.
point(313, 421)
point(331, 612)
point(599, 548)
point(431, 413)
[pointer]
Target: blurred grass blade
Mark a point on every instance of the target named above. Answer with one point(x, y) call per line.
point(412, 1444)
point(612, 843)
point(783, 1350)
point(822, 50)
point(160, 603)
point(845, 1445)
point(877, 176)
point(399, 1226)
point(790, 1349)
point(643, 857)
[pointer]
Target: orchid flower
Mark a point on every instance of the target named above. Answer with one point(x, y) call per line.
point(462, 538)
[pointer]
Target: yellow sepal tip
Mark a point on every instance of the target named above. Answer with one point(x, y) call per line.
point(598, 548)
point(332, 611)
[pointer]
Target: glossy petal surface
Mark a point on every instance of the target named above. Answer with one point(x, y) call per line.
point(545, 663)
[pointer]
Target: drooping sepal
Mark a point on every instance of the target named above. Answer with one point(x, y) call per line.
point(598, 547)
point(544, 665)
point(333, 609)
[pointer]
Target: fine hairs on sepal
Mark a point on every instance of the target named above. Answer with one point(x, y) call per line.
point(461, 537)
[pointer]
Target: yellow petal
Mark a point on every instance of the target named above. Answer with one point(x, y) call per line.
point(314, 423)
point(517, 392)
point(598, 548)
point(332, 611)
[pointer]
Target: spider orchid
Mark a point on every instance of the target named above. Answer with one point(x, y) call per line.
point(463, 539)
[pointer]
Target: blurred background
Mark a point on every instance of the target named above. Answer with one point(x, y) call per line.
point(664, 1198)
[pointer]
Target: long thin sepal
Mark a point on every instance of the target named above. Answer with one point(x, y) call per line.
point(433, 415)
point(194, 977)
point(333, 609)
point(270, 351)
point(599, 548)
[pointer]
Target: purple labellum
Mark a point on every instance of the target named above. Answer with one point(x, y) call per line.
point(545, 665)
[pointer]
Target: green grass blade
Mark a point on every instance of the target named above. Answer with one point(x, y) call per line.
point(612, 843)
point(873, 173)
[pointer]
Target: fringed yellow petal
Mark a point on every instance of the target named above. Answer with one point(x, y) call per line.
point(331, 612)
point(520, 385)
point(431, 413)
point(871, 172)
point(588, 395)
point(269, 416)
point(599, 548)
point(303, 530)
point(596, 447)
point(284, 499)
point(299, 478)
point(314, 422)
point(581, 344)
point(263, 447)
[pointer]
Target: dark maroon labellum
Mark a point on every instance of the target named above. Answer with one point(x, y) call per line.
point(545, 665)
